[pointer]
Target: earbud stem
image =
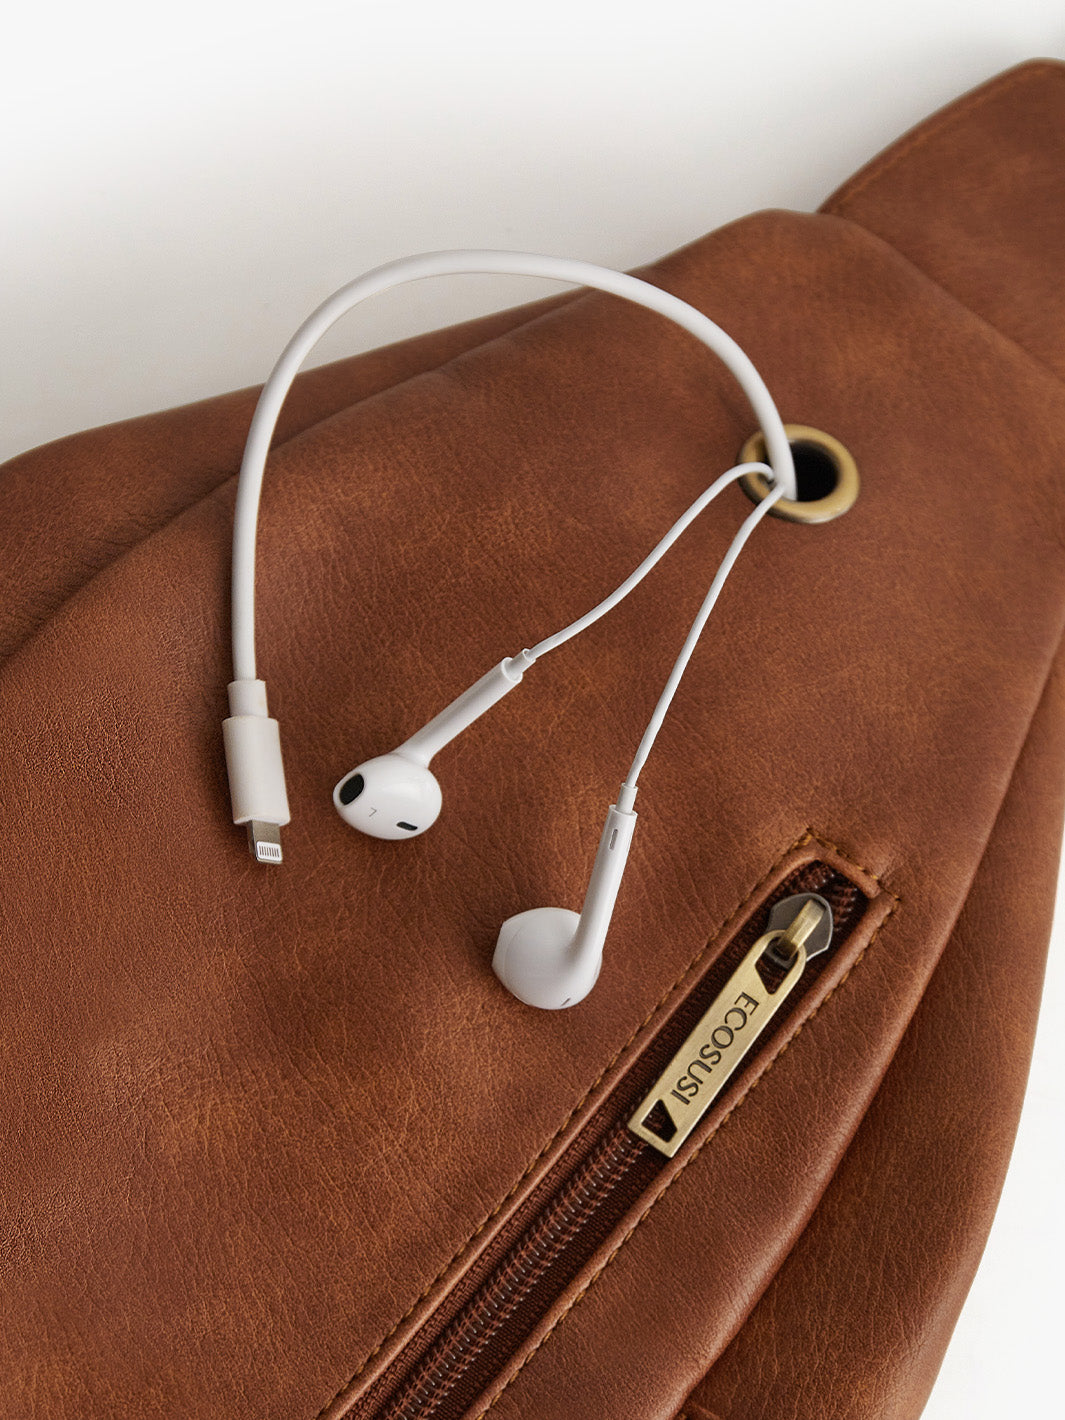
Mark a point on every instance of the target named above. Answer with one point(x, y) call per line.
point(601, 895)
point(549, 956)
point(469, 706)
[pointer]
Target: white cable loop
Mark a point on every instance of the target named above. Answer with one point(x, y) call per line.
point(445, 263)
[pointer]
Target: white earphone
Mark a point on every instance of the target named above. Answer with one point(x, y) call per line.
point(546, 956)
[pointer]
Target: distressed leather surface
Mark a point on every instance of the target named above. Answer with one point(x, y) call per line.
point(257, 1123)
point(116, 485)
point(929, 1157)
point(856, 1321)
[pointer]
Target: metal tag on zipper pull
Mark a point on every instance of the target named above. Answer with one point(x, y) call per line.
point(800, 927)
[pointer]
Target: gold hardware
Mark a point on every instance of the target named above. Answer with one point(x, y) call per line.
point(712, 1053)
point(814, 510)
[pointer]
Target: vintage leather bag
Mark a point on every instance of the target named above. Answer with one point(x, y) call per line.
point(276, 1142)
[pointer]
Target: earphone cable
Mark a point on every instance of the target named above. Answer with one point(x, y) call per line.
point(445, 263)
point(551, 643)
point(627, 793)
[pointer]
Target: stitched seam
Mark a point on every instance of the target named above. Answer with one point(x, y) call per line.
point(929, 130)
point(726, 925)
point(896, 902)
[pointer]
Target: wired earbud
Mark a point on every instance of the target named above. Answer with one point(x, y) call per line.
point(547, 956)
point(370, 797)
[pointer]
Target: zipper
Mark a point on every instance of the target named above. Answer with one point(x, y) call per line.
point(799, 927)
point(761, 975)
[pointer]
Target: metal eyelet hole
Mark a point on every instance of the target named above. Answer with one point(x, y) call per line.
point(825, 470)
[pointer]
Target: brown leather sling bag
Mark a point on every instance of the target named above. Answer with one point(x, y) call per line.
point(276, 1142)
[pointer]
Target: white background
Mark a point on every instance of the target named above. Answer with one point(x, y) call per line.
point(182, 186)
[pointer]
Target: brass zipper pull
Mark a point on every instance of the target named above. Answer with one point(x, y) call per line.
point(799, 928)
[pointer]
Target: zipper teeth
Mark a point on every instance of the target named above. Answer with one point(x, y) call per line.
point(473, 1328)
point(586, 1204)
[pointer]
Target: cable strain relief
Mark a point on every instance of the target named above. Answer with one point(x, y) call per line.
point(516, 666)
point(247, 697)
point(626, 798)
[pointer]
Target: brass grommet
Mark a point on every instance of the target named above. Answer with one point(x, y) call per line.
point(817, 445)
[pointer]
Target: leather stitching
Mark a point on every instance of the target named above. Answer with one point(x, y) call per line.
point(726, 925)
point(929, 130)
point(896, 903)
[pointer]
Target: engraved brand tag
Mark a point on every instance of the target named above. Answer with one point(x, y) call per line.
point(710, 1056)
